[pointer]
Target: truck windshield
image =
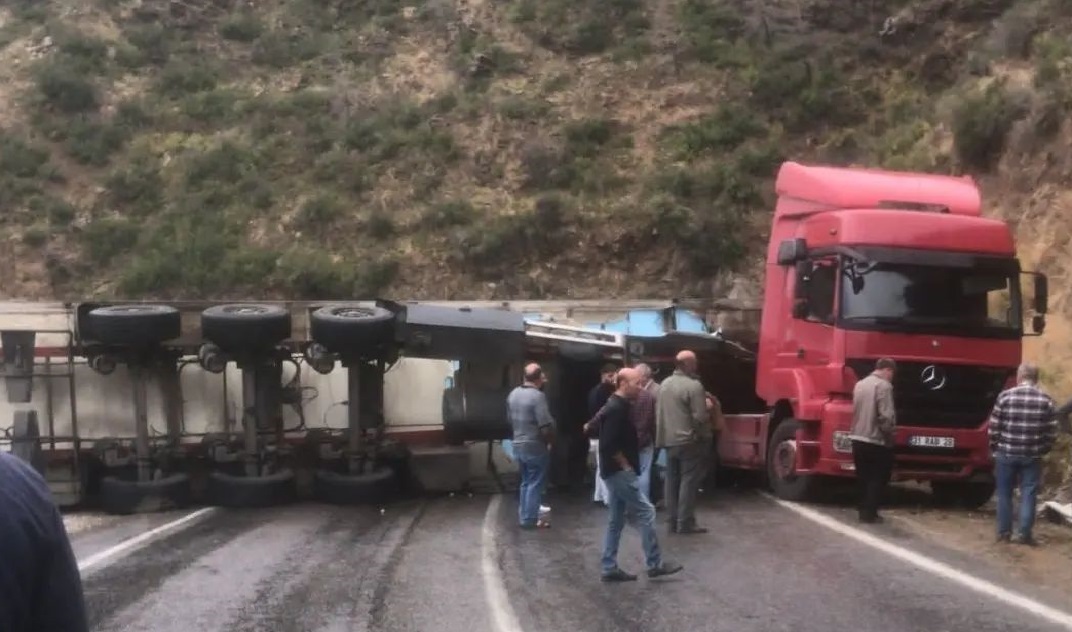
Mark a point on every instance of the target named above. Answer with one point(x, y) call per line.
point(931, 299)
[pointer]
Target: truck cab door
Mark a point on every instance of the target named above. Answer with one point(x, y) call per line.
point(809, 336)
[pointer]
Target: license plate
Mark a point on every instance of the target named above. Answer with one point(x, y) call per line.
point(932, 442)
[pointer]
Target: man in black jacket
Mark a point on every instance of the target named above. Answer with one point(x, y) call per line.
point(40, 587)
point(619, 455)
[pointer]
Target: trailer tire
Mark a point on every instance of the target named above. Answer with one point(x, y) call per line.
point(134, 325)
point(962, 494)
point(26, 440)
point(225, 490)
point(124, 497)
point(352, 330)
point(245, 326)
point(362, 489)
point(781, 463)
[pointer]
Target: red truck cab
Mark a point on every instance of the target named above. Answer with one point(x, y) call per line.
point(865, 264)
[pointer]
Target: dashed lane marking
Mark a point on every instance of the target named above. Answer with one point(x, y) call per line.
point(502, 613)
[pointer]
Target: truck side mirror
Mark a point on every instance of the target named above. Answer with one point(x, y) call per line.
point(800, 288)
point(1042, 293)
point(1038, 323)
point(791, 251)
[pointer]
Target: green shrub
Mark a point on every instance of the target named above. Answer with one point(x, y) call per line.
point(582, 27)
point(65, 89)
point(93, 143)
point(319, 212)
point(981, 124)
point(724, 130)
point(83, 53)
point(55, 210)
point(446, 214)
point(181, 78)
point(243, 27)
point(380, 225)
point(281, 50)
point(35, 236)
point(19, 159)
point(137, 188)
point(152, 45)
point(710, 29)
point(107, 238)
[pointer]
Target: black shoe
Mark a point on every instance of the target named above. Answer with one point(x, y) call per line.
point(691, 530)
point(664, 569)
point(872, 519)
point(673, 525)
point(1004, 538)
point(618, 575)
point(1025, 540)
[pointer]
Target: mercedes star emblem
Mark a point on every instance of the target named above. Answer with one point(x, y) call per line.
point(932, 377)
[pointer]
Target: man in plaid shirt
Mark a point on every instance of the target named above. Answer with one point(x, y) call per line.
point(1023, 428)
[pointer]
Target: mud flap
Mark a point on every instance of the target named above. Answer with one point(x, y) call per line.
point(26, 440)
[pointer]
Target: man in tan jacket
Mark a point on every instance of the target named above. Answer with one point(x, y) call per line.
point(873, 422)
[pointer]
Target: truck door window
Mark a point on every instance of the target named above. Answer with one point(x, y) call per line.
point(821, 290)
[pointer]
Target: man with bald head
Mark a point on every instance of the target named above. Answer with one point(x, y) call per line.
point(619, 453)
point(533, 427)
point(683, 428)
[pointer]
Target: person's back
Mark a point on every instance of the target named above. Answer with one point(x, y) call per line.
point(40, 587)
point(1024, 423)
point(529, 416)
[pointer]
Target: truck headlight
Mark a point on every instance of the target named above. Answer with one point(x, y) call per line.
point(842, 443)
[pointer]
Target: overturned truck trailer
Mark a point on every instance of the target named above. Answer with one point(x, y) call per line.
point(148, 406)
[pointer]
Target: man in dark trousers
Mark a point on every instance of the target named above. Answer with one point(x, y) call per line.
point(40, 587)
point(1023, 428)
point(873, 422)
point(683, 428)
point(620, 455)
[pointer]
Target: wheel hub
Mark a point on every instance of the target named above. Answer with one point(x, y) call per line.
point(785, 459)
point(353, 312)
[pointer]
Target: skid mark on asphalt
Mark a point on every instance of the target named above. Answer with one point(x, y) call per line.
point(331, 584)
point(933, 566)
point(112, 588)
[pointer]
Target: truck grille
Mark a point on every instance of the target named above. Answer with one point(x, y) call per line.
point(931, 395)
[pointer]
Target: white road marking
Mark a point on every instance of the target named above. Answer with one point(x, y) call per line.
point(126, 545)
point(940, 569)
point(502, 613)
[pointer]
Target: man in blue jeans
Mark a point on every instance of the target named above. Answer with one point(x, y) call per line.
point(1023, 427)
point(533, 431)
point(620, 460)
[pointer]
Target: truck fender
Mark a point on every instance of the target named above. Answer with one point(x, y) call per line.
point(797, 387)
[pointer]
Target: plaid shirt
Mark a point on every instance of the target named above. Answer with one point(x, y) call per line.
point(641, 413)
point(1023, 423)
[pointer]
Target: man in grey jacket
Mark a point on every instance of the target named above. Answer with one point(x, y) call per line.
point(873, 422)
point(683, 428)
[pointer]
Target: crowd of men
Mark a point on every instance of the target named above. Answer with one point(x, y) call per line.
point(640, 423)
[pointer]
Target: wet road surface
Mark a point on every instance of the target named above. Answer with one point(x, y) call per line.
point(424, 565)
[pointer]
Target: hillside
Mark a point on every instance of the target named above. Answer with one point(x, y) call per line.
point(485, 149)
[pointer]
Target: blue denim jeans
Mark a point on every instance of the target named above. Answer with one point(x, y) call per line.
point(1007, 470)
point(533, 469)
point(647, 456)
point(626, 498)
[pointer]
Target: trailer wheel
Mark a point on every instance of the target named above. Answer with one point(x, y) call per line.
point(242, 327)
point(26, 440)
point(781, 465)
point(225, 490)
point(962, 494)
point(124, 497)
point(352, 329)
point(343, 489)
point(134, 325)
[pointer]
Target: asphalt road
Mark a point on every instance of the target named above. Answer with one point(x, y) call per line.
point(431, 565)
